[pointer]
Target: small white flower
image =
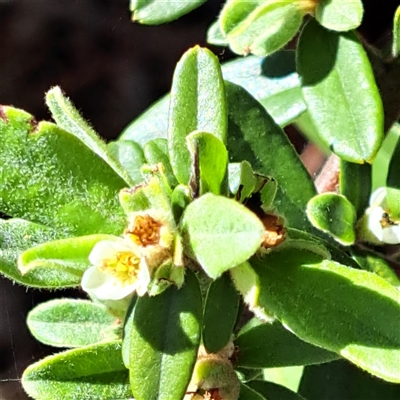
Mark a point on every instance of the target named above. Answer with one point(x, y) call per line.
point(376, 226)
point(118, 269)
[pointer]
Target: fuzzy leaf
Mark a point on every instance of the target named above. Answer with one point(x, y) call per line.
point(334, 214)
point(396, 33)
point(344, 310)
point(164, 339)
point(230, 229)
point(91, 373)
point(273, 391)
point(45, 184)
point(339, 89)
point(71, 323)
point(247, 393)
point(197, 103)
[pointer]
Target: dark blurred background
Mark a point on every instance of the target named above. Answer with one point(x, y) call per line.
point(112, 69)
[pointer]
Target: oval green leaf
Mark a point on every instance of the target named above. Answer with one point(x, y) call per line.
point(164, 340)
point(156, 12)
point(210, 162)
point(77, 195)
point(130, 155)
point(266, 345)
point(393, 177)
point(355, 184)
point(231, 230)
point(247, 393)
point(94, 372)
point(215, 36)
point(72, 323)
point(396, 33)
point(337, 16)
point(334, 214)
point(342, 380)
point(255, 137)
point(220, 313)
point(68, 118)
point(339, 89)
point(344, 310)
point(273, 391)
point(260, 27)
point(198, 102)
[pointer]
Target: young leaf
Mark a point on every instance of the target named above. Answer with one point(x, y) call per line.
point(215, 36)
point(242, 181)
point(334, 214)
point(341, 309)
point(339, 89)
point(230, 229)
point(220, 313)
point(334, 15)
point(211, 157)
point(341, 380)
point(260, 27)
point(77, 195)
point(164, 339)
point(156, 151)
point(247, 393)
point(273, 391)
point(393, 177)
point(197, 103)
point(96, 372)
point(71, 323)
point(156, 12)
point(68, 118)
point(266, 345)
point(355, 184)
point(130, 156)
point(69, 257)
point(396, 33)
point(17, 235)
point(255, 137)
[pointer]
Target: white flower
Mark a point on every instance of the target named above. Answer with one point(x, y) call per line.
point(118, 269)
point(376, 226)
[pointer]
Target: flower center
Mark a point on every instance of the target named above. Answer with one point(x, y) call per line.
point(386, 221)
point(124, 266)
point(145, 229)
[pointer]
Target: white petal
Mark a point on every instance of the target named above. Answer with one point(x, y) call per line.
point(107, 249)
point(378, 198)
point(374, 216)
point(143, 278)
point(103, 285)
point(391, 234)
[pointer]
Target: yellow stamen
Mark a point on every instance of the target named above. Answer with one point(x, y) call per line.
point(124, 266)
point(145, 230)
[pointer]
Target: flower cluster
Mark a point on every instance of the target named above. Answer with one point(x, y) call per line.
point(124, 265)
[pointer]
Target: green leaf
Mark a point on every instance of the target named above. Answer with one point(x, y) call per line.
point(130, 156)
point(341, 309)
point(393, 203)
point(71, 323)
point(286, 376)
point(17, 235)
point(215, 36)
point(334, 15)
point(220, 314)
point(230, 229)
point(210, 159)
point(260, 27)
point(76, 195)
point(93, 372)
point(165, 336)
point(242, 181)
point(266, 345)
point(197, 103)
point(381, 162)
point(355, 184)
point(254, 136)
point(63, 260)
point(156, 12)
point(393, 177)
point(396, 33)
point(341, 380)
point(68, 118)
point(373, 262)
point(334, 214)
point(247, 393)
point(339, 89)
point(273, 391)
point(180, 199)
point(156, 151)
